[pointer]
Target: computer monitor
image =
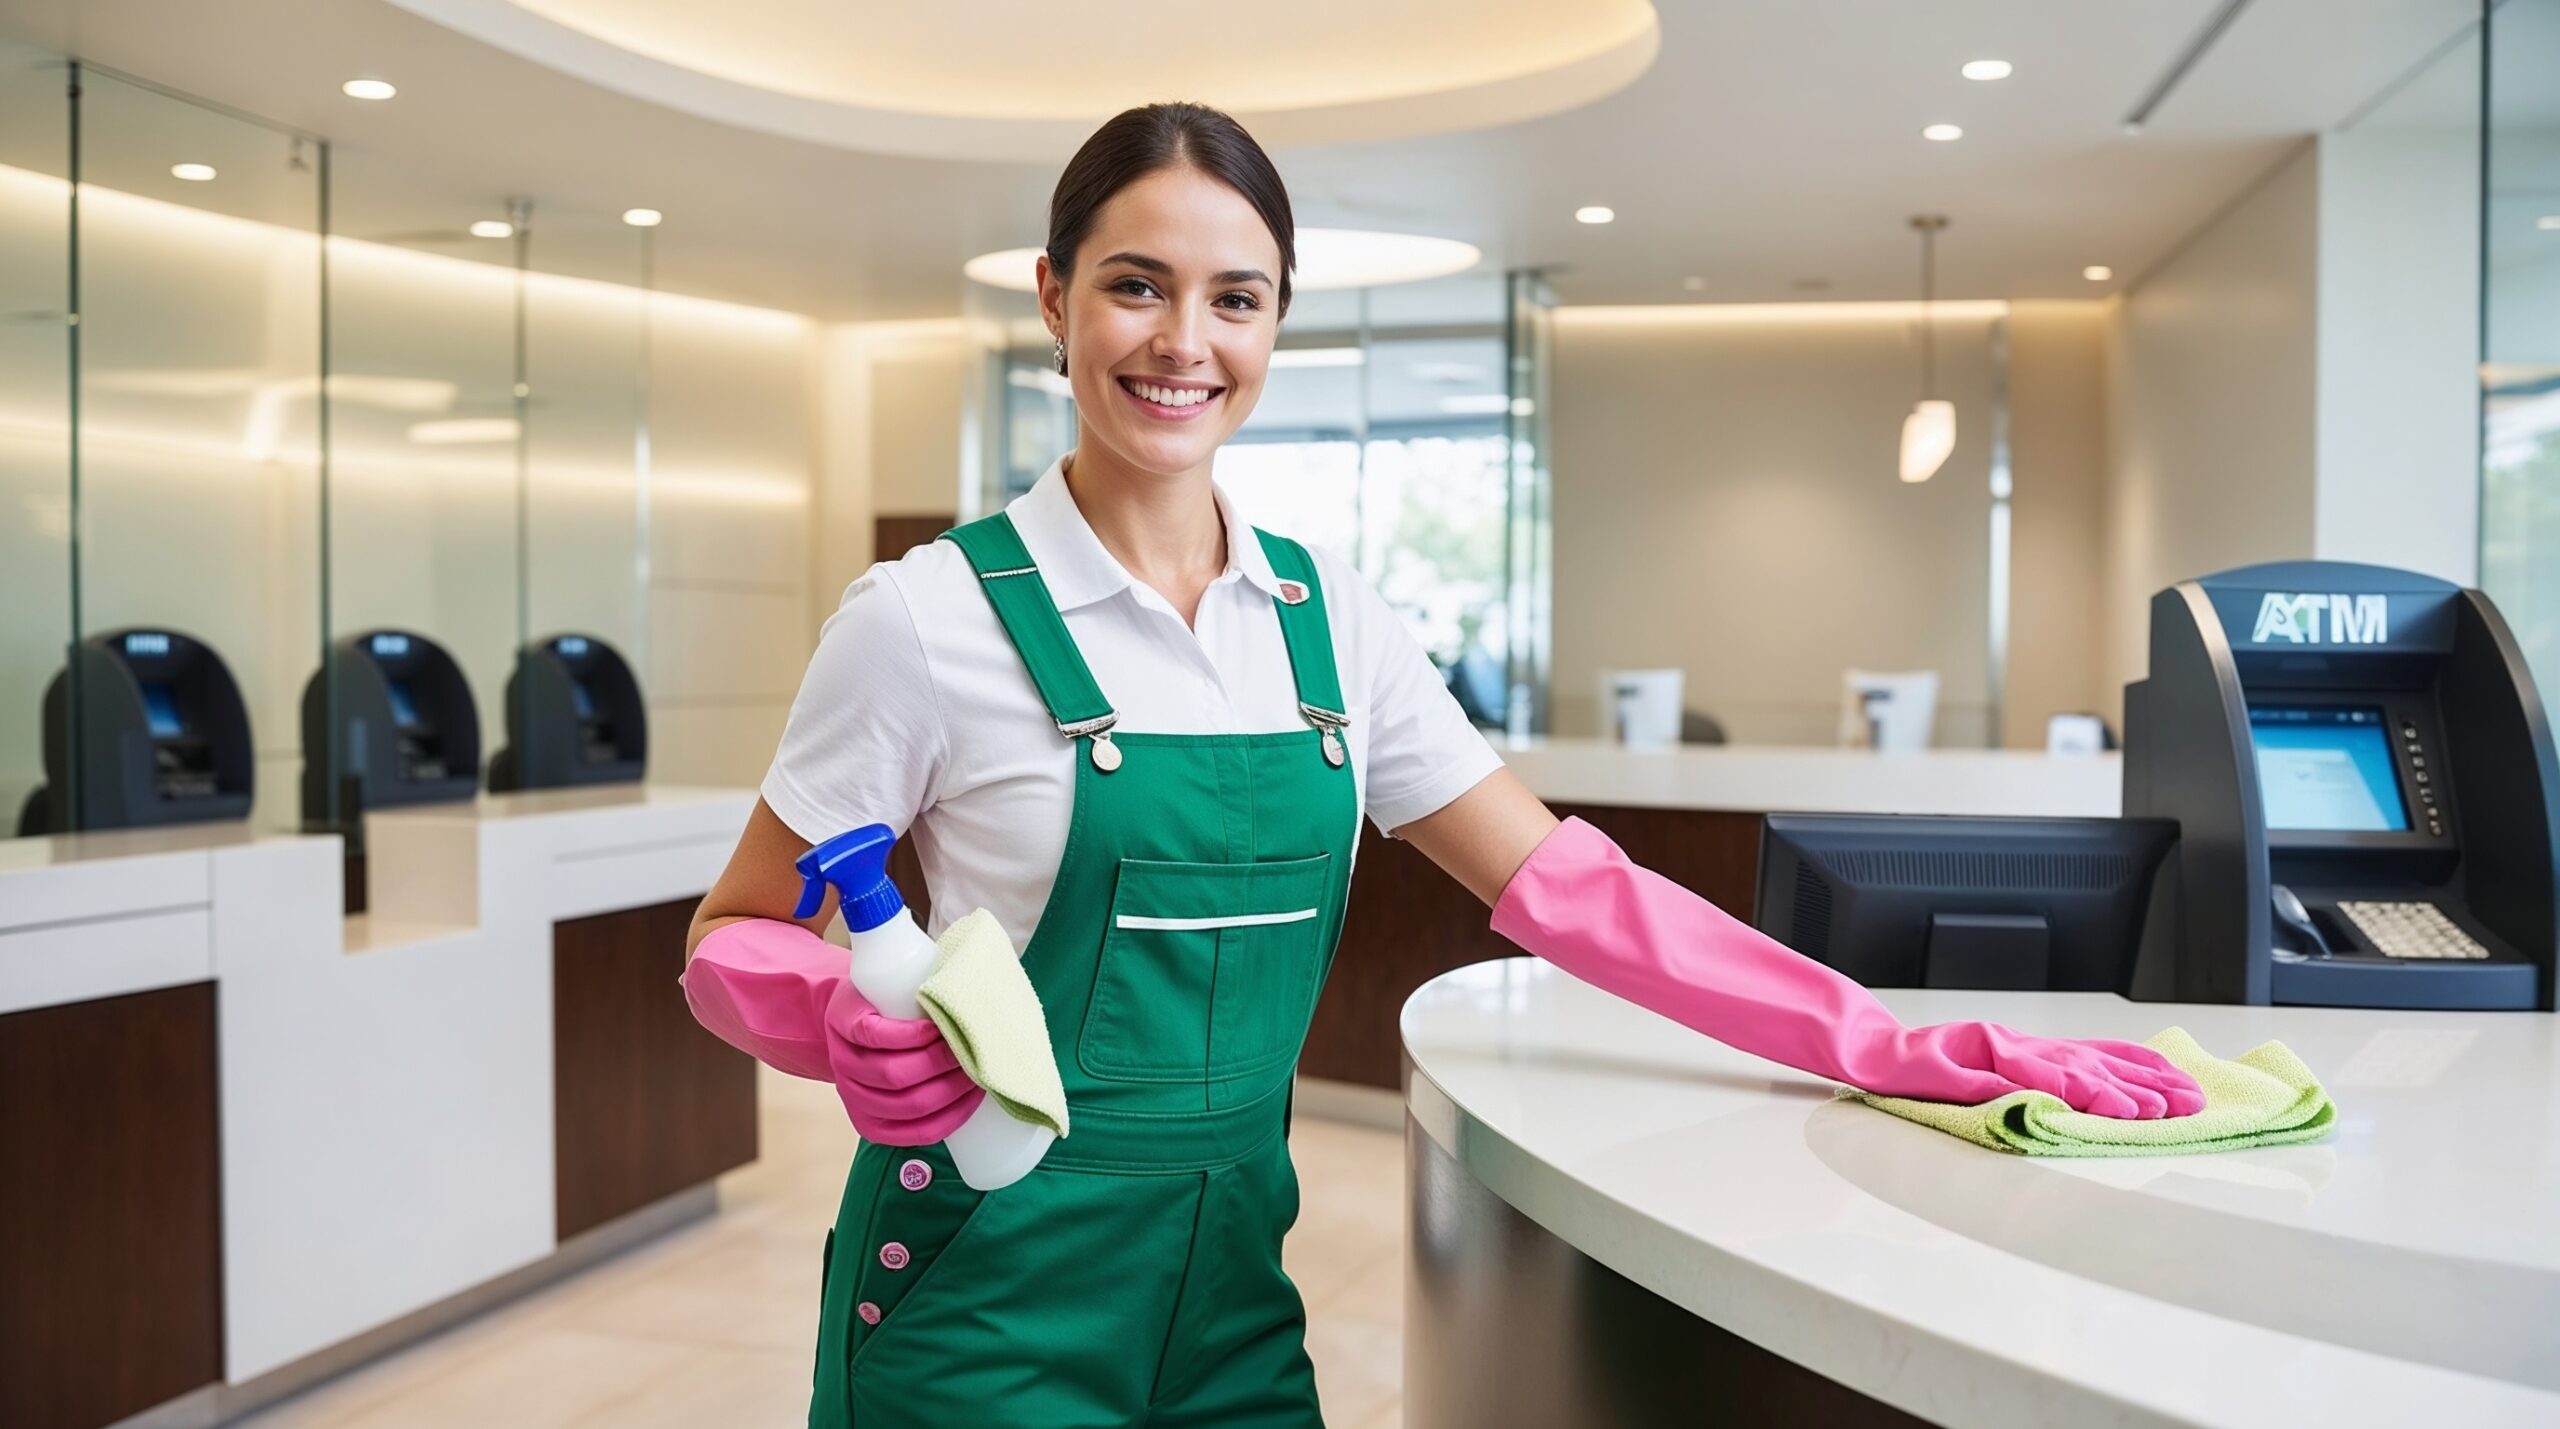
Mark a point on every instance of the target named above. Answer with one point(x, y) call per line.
point(1927, 901)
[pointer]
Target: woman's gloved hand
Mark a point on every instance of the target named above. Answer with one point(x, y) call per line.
point(779, 993)
point(898, 1079)
point(1973, 1062)
point(1582, 904)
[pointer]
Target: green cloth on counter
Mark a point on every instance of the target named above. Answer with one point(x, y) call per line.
point(982, 1000)
point(2265, 1097)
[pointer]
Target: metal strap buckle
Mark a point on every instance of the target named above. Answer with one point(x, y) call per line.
point(1323, 718)
point(1096, 725)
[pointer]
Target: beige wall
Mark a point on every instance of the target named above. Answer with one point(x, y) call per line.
point(733, 462)
point(890, 414)
point(1725, 501)
point(2212, 389)
point(2400, 341)
point(2058, 453)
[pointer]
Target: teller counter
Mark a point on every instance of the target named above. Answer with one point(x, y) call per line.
point(1616, 1222)
point(1692, 813)
point(246, 1140)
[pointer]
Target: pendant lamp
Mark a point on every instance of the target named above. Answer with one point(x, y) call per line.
point(1929, 433)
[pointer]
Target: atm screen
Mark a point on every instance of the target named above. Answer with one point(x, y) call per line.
point(2327, 768)
point(585, 702)
point(404, 705)
point(160, 710)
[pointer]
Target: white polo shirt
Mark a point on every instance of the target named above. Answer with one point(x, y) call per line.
point(916, 712)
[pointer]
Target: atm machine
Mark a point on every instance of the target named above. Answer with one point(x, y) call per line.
point(403, 731)
point(2362, 776)
point(574, 717)
point(163, 738)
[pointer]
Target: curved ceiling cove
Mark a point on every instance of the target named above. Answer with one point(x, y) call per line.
point(1026, 80)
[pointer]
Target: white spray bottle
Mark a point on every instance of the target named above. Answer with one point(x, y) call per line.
point(892, 957)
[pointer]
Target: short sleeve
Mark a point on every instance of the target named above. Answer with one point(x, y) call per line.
point(1423, 751)
point(865, 743)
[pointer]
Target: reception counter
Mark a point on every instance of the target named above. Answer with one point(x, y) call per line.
point(1618, 1222)
point(264, 1138)
point(1692, 813)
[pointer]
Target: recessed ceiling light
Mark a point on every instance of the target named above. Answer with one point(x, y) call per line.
point(1986, 69)
point(367, 89)
point(1328, 258)
point(1942, 132)
point(493, 228)
point(643, 217)
point(2548, 223)
point(1694, 285)
point(2097, 272)
point(192, 173)
point(1595, 213)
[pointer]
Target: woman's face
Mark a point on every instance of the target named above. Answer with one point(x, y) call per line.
point(1169, 318)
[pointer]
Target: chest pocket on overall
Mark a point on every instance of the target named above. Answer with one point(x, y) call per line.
point(1208, 970)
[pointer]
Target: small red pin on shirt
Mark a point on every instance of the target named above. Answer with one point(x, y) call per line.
point(1293, 593)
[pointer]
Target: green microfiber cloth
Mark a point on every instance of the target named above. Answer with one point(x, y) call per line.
point(982, 1000)
point(2265, 1097)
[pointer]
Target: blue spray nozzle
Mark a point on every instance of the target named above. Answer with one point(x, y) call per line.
point(857, 863)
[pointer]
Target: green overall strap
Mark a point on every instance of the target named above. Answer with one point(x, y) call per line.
point(1021, 597)
point(1309, 637)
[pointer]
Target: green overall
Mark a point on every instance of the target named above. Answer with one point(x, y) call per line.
point(1134, 1278)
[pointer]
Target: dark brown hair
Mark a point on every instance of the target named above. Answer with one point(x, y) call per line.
point(1136, 143)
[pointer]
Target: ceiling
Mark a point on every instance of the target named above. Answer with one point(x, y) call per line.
point(985, 80)
point(1770, 152)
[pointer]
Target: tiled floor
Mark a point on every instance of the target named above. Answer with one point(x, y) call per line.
point(716, 1323)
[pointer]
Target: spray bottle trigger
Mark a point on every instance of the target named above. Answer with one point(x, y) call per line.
point(813, 885)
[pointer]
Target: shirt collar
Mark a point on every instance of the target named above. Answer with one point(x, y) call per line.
point(1079, 570)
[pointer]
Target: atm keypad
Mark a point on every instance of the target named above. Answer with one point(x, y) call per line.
point(2412, 930)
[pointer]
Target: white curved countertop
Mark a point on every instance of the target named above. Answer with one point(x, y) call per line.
point(2405, 1271)
point(1772, 779)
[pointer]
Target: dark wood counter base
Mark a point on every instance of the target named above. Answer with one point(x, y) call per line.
point(110, 1210)
point(1408, 923)
point(645, 1102)
point(1506, 1325)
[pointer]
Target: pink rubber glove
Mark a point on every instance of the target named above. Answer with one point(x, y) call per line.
point(778, 993)
point(1582, 904)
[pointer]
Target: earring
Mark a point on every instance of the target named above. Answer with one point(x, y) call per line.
point(1061, 357)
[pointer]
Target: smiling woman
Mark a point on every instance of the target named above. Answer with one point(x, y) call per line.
point(1122, 719)
point(1166, 335)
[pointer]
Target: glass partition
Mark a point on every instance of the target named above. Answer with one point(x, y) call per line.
point(585, 429)
point(257, 398)
point(35, 408)
point(1529, 566)
point(198, 431)
point(489, 480)
point(424, 431)
point(2520, 357)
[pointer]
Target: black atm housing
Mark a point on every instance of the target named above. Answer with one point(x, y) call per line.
point(574, 717)
point(2337, 644)
point(163, 738)
point(406, 730)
